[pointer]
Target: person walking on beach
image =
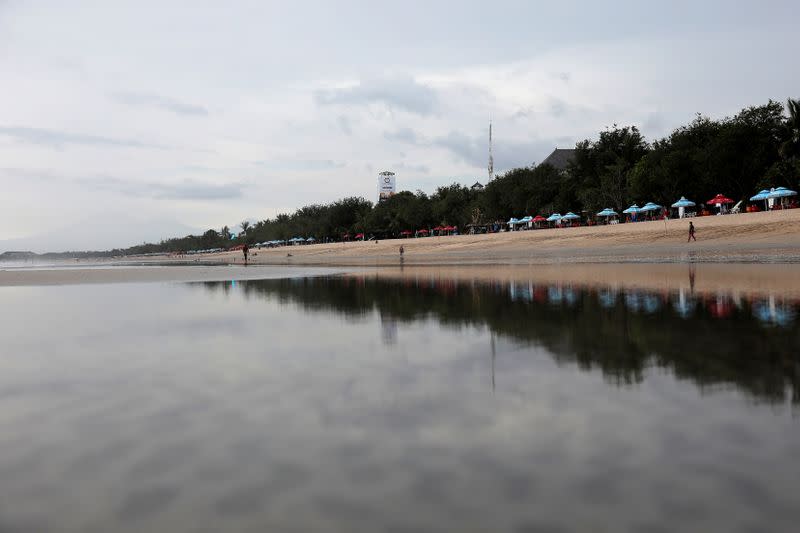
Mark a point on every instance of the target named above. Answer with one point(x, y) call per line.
point(402, 251)
point(691, 232)
point(245, 251)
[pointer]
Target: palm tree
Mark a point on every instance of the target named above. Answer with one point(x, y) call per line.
point(791, 148)
point(245, 225)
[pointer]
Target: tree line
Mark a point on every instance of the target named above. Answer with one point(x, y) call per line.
point(757, 148)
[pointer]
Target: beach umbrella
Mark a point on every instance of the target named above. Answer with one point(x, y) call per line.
point(570, 216)
point(406, 233)
point(762, 195)
point(720, 200)
point(512, 221)
point(555, 217)
point(650, 206)
point(359, 235)
point(538, 219)
point(607, 212)
point(682, 204)
point(422, 232)
point(781, 192)
point(632, 210)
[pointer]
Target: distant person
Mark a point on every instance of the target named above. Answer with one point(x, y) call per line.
point(402, 250)
point(691, 233)
point(245, 251)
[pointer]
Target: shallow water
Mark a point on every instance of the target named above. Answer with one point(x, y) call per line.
point(354, 404)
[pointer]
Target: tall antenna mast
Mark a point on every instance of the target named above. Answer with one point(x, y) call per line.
point(491, 159)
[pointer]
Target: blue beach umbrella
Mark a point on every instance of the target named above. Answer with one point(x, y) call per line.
point(781, 192)
point(632, 210)
point(607, 212)
point(570, 216)
point(555, 217)
point(650, 206)
point(762, 195)
point(683, 202)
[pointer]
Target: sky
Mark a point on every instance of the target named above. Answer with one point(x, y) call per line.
point(122, 122)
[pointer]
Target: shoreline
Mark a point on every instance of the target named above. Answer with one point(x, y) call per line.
point(771, 237)
point(700, 278)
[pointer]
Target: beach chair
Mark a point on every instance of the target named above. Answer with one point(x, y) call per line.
point(737, 208)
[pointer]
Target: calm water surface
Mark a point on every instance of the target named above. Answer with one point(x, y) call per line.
point(351, 404)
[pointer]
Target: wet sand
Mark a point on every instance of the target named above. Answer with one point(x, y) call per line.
point(742, 279)
point(154, 273)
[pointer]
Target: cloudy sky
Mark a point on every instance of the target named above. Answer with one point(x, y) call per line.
point(126, 121)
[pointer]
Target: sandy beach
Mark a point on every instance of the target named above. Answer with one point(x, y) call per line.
point(747, 237)
point(756, 251)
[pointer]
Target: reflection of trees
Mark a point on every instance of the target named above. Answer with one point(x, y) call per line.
point(618, 333)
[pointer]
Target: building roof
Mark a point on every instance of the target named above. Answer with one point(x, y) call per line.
point(560, 158)
point(477, 185)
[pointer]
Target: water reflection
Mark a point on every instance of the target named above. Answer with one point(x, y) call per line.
point(751, 342)
point(354, 404)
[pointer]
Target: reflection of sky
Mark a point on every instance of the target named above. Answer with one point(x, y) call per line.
point(169, 408)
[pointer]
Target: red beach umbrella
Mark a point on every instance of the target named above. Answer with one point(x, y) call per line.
point(720, 199)
point(539, 218)
point(423, 232)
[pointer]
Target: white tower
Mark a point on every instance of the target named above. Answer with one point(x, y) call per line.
point(386, 185)
point(491, 159)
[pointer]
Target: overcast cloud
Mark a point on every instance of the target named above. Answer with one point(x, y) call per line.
point(201, 114)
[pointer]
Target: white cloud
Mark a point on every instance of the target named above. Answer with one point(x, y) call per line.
point(178, 102)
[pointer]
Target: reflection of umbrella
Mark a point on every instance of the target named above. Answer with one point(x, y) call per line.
point(607, 298)
point(772, 312)
point(682, 204)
